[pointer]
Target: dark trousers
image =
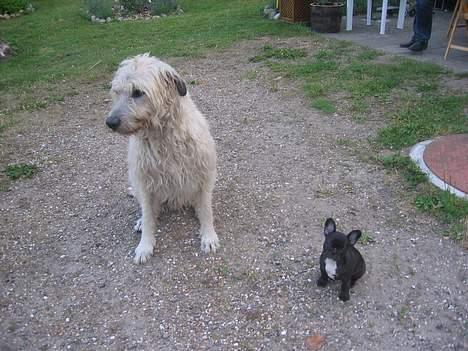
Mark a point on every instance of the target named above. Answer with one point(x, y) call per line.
point(422, 25)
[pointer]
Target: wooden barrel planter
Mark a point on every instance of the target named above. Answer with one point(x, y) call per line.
point(325, 18)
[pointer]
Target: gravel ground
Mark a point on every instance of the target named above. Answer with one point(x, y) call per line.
point(67, 276)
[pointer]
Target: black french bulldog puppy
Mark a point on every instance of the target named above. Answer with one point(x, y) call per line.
point(339, 259)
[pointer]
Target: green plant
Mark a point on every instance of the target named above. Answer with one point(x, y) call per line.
point(155, 7)
point(443, 204)
point(99, 8)
point(13, 6)
point(134, 6)
point(366, 238)
point(403, 312)
point(20, 170)
point(159, 7)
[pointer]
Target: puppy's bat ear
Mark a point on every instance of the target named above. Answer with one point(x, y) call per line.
point(179, 83)
point(330, 226)
point(354, 236)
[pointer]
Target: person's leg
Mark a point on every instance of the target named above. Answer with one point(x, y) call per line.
point(413, 38)
point(423, 20)
point(422, 26)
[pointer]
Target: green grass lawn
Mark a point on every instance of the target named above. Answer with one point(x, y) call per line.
point(56, 43)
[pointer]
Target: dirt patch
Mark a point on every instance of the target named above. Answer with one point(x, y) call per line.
point(457, 84)
point(68, 280)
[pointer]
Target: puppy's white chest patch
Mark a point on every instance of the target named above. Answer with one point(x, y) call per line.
point(330, 268)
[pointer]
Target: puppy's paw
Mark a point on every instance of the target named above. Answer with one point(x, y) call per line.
point(209, 242)
point(322, 282)
point(137, 226)
point(143, 252)
point(344, 296)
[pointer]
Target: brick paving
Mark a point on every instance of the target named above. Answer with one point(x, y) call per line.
point(447, 157)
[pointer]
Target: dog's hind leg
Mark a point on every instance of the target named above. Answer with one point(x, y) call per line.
point(344, 293)
point(149, 211)
point(209, 238)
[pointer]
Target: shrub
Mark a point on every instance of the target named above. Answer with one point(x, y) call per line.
point(99, 8)
point(156, 7)
point(163, 6)
point(13, 6)
point(134, 6)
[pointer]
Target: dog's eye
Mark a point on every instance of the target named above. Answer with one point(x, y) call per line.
point(137, 93)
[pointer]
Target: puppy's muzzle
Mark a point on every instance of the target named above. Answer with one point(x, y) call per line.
point(113, 122)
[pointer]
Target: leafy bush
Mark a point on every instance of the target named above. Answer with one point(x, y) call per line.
point(155, 7)
point(99, 8)
point(135, 6)
point(13, 6)
point(163, 6)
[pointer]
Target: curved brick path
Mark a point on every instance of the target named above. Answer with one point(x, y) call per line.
point(447, 157)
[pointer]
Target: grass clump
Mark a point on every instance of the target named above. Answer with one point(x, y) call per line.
point(409, 170)
point(20, 170)
point(448, 208)
point(270, 52)
point(366, 238)
point(424, 117)
point(439, 203)
point(324, 105)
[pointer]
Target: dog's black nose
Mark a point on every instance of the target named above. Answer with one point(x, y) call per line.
point(113, 122)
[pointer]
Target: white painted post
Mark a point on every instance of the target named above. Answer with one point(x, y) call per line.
point(383, 18)
point(349, 14)
point(401, 14)
point(369, 12)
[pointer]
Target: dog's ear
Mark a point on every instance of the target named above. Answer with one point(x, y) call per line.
point(354, 236)
point(330, 226)
point(181, 87)
point(179, 83)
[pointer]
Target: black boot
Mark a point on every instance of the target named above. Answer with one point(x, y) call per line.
point(418, 46)
point(408, 44)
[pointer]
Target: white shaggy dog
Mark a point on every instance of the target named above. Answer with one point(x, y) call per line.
point(171, 154)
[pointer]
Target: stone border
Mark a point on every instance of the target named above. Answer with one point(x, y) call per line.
point(416, 154)
point(7, 16)
point(135, 17)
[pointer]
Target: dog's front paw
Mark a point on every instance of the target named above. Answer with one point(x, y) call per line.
point(137, 226)
point(209, 242)
point(344, 296)
point(322, 282)
point(143, 252)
